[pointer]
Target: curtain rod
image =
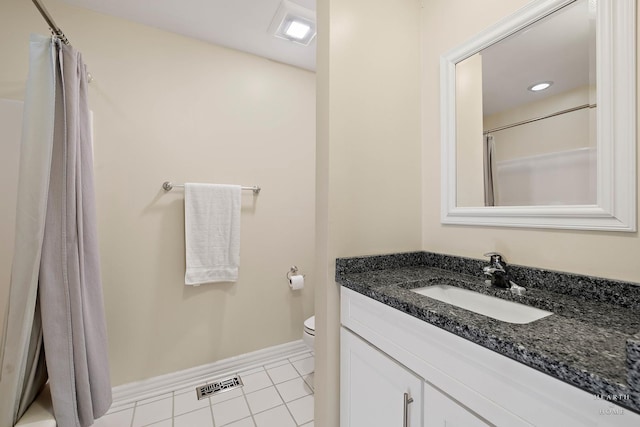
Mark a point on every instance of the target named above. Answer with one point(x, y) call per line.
point(524, 122)
point(55, 30)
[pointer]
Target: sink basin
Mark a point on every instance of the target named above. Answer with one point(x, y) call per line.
point(487, 305)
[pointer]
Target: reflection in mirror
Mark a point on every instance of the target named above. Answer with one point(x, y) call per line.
point(563, 157)
point(518, 146)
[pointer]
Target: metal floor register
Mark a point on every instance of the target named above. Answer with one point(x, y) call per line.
point(218, 387)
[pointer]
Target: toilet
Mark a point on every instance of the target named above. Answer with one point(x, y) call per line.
point(309, 334)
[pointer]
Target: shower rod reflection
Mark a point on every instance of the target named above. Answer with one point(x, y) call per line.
point(548, 116)
point(55, 30)
point(168, 186)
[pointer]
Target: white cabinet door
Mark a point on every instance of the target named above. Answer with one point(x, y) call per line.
point(373, 387)
point(440, 410)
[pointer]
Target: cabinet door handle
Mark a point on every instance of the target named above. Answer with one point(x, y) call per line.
point(405, 414)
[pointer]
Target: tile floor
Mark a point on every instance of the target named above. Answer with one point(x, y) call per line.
point(278, 394)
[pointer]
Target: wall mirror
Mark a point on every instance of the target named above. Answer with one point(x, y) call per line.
point(561, 157)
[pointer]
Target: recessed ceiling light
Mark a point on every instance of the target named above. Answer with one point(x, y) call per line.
point(537, 87)
point(294, 23)
point(297, 30)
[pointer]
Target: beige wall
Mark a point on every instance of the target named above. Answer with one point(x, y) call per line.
point(562, 133)
point(542, 107)
point(469, 137)
point(567, 131)
point(447, 23)
point(369, 176)
point(171, 108)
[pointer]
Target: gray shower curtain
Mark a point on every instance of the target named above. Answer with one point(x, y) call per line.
point(56, 256)
point(489, 170)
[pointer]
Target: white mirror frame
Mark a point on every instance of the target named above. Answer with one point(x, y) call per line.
point(616, 127)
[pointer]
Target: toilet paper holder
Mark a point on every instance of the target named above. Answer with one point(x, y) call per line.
point(292, 271)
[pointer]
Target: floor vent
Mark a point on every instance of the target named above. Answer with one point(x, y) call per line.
point(218, 387)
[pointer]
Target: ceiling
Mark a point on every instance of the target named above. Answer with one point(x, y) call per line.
point(244, 25)
point(559, 48)
point(237, 24)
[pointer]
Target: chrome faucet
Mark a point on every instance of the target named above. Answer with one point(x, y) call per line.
point(498, 272)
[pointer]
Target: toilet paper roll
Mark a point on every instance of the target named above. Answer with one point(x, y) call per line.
point(296, 282)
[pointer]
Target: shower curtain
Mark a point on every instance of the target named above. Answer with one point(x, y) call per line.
point(55, 325)
point(489, 171)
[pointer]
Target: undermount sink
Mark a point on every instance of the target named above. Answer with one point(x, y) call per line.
point(487, 305)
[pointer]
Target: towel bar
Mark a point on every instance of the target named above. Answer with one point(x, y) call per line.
point(168, 186)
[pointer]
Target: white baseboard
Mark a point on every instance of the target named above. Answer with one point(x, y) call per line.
point(128, 393)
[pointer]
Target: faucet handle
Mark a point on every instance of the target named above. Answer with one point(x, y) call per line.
point(497, 270)
point(495, 256)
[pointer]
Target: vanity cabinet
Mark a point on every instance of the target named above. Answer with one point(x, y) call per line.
point(453, 382)
point(375, 388)
point(440, 410)
point(376, 391)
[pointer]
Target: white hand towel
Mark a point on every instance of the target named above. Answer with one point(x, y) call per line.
point(212, 233)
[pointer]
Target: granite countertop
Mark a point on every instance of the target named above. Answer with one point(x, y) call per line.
point(592, 340)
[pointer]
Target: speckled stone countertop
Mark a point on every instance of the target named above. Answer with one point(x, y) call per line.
point(592, 340)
